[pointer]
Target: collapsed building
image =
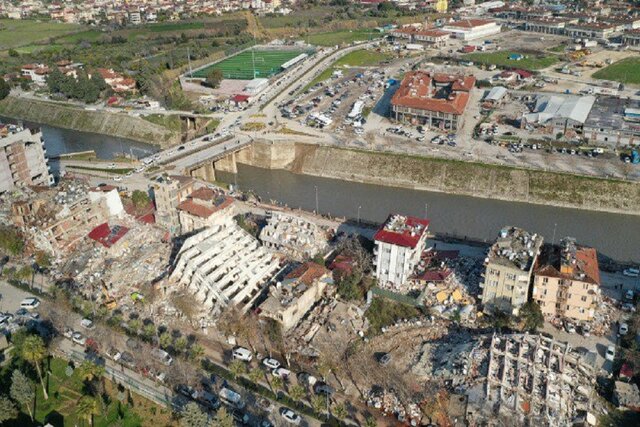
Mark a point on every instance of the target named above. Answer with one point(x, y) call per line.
point(168, 193)
point(559, 113)
point(509, 270)
point(296, 294)
point(293, 236)
point(538, 378)
point(567, 281)
point(22, 159)
point(224, 265)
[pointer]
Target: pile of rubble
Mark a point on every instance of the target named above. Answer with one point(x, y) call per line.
point(457, 357)
point(390, 405)
point(532, 375)
point(294, 236)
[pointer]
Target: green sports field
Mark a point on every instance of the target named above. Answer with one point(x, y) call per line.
point(240, 66)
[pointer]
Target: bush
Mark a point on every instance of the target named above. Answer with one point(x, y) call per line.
point(5, 89)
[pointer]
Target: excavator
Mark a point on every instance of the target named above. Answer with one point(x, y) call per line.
point(107, 300)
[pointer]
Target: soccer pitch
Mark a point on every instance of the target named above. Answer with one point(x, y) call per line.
point(241, 66)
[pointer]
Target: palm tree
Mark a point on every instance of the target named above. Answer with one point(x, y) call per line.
point(86, 408)
point(89, 371)
point(297, 392)
point(196, 352)
point(34, 352)
point(370, 422)
point(340, 411)
point(277, 384)
point(255, 375)
point(237, 368)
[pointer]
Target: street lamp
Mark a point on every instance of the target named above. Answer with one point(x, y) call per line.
point(359, 207)
point(316, 187)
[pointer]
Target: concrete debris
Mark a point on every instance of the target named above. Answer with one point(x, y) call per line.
point(390, 405)
point(294, 236)
point(532, 375)
point(224, 265)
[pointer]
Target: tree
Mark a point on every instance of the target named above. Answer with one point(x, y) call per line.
point(5, 89)
point(214, 78)
point(196, 352)
point(165, 339)
point(297, 392)
point(340, 412)
point(237, 368)
point(140, 199)
point(181, 344)
point(255, 375)
point(14, 53)
point(25, 273)
point(149, 330)
point(86, 408)
point(22, 391)
point(192, 416)
point(319, 404)
point(370, 422)
point(43, 259)
point(34, 352)
point(8, 410)
point(223, 418)
point(89, 371)
point(531, 316)
point(277, 384)
point(10, 239)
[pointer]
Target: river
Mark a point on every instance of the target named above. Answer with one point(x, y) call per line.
point(615, 235)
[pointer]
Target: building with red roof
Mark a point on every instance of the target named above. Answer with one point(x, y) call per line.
point(108, 236)
point(435, 100)
point(203, 208)
point(399, 245)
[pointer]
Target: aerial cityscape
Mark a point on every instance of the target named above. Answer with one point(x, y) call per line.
point(261, 213)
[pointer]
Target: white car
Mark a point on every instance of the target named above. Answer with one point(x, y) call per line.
point(78, 338)
point(271, 363)
point(30, 303)
point(290, 416)
point(242, 353)
point(281, 372)
point(624, 328)
point(611, 353)
point(87, 323)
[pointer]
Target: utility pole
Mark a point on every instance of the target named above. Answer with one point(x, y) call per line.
point(426, 206)
point(553, 240)
point(359, 214)
point(316, 187)
point(189, 60)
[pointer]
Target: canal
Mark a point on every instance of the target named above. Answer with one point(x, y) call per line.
point(614, 235)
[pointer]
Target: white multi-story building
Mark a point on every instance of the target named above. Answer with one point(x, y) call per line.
point(399, 244)
point(224, 265)
point(471, 29)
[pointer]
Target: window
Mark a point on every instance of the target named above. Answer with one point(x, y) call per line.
point(584, 299)
point(511, 276)
point(545, 280)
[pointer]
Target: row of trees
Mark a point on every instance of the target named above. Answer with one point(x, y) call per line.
point(83, 88)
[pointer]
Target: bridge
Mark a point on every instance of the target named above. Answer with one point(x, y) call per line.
point(200, 158)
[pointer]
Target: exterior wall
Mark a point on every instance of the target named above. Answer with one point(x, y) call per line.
point(505, 288)
point(473, 33)
point(189, 223)
point(290, 315)
point(395, 263)
point(168, 195)
point(23, 161)
point(573, 299)
point(428, 118)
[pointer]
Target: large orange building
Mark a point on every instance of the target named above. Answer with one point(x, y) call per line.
point(435, 100)
point(567, 281)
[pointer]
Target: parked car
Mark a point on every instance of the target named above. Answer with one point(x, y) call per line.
point(323, 388)
point(30, 303)
point(87, 323)
point(291, 417)
point(385, 359)
point(568, 326)
point(281, 372)
point(162, 356)
point(623, 329)
point(242, 353)
point(265, 404)
point(78, 338)
point(240, 417)
point(611, 353)
point(271, 363)
point(113, 354)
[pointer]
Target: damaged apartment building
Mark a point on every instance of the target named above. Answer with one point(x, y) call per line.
point(509, 270)
point(294, 296)
point(203, 208)
point(58, 219)
point(399, 244)
point(567, 281)
point(540, 379)
point(294, 236)
point(168, 192)
point(224, 265)
point(22, 159)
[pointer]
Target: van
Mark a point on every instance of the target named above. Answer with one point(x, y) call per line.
point(631, 272)
point(242, 353)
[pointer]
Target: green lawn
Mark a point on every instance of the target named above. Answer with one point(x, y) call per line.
point(501, 59)
point(15, 33)
point(339, 37)
point(115, 171)
point(624, 71)
point(240, 66)
point(89, 36)
point(358, 58)
point(171, 122)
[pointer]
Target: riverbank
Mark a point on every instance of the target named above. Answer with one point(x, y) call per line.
point(120, 125)
point(486, 181)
